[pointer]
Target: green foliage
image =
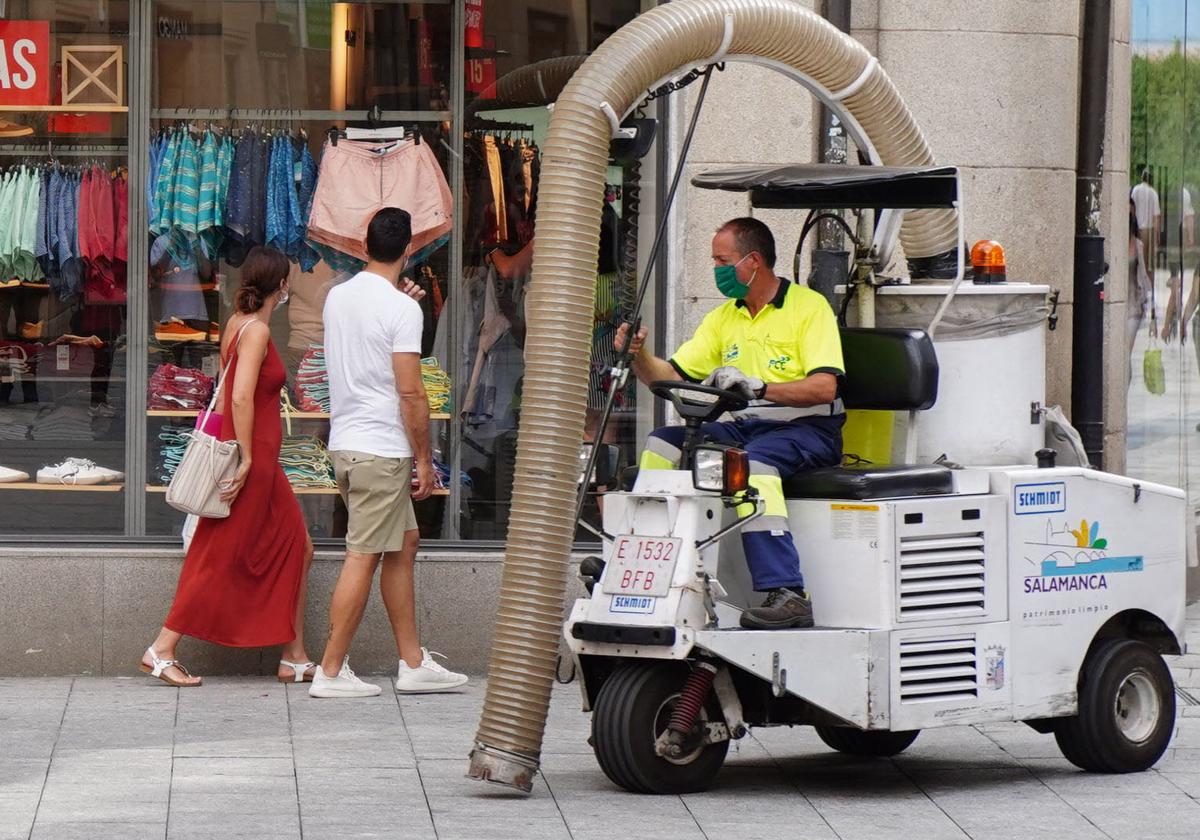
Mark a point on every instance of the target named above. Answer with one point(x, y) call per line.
point(1165, 118)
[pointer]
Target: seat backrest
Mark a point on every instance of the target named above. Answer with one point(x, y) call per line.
point(888, 369)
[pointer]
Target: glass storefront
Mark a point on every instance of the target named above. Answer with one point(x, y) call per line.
point(208, 132)
point(1162, 335)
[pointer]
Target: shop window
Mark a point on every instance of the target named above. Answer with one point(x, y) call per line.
point(63, 251)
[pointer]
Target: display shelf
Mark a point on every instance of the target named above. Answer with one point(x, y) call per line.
point(299, 491)
point(295, 415)
point(86, 488)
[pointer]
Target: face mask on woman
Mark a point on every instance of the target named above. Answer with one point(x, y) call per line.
point(727, 280)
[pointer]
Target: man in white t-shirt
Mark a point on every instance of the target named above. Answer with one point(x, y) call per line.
point(379, 431)
point(1149, 217)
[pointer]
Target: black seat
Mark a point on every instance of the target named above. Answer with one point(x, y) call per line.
point(867, 481)
point(887, 369)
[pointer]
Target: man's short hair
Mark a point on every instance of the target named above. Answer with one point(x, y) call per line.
point(389, 234)
point(752, 235)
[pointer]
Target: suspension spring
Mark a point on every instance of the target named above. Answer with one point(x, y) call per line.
point(691, 699)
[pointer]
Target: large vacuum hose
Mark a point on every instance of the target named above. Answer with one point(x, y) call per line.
point(659, 43)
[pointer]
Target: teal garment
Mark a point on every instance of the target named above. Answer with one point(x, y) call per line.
point(186, 188)
point(209, 181)
point(163, 191)
point(7, 216)
point(25, 265)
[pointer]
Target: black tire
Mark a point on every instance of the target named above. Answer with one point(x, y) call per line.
point(870, 743)
point(1126, 710)
point(631, 711)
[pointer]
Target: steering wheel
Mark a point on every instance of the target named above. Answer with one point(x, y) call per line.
point(697, 410)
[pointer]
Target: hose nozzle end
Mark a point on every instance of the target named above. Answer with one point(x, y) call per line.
point(489, 764)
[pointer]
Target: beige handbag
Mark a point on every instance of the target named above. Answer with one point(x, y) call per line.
point(209, 465)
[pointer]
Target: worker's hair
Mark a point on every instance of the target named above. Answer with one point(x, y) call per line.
point(751, 235)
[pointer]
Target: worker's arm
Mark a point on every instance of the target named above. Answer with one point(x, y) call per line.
point(817, 388)
point(646, 366)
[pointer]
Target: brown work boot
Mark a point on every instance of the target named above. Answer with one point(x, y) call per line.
point(782, 609)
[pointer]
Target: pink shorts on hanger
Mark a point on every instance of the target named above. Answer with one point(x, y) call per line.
point(357, 179)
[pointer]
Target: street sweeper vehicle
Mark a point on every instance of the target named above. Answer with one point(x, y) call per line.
point(942, 594)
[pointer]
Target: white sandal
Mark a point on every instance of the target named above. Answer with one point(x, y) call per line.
point(299, 671)
point(161, 665)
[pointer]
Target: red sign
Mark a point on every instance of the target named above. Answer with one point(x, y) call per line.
point(474, 17)
point(24, 62)
point(481, 72)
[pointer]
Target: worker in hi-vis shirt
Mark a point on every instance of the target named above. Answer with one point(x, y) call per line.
point(776, 344)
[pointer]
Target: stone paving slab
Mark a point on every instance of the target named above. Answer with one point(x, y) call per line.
point(125, 758)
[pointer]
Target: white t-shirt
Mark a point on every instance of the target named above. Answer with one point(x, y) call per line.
point(367, 319)
point(1145, 204)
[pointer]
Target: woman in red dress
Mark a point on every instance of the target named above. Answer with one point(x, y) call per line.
point(244, 578)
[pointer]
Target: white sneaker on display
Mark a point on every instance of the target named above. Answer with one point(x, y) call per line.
point(11, 476)
point(428, 677)
point(78, 471)
point(345, 684)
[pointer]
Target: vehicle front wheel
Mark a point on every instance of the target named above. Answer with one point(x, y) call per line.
point(632, 709)
point(1126, 710)
point(871, 743)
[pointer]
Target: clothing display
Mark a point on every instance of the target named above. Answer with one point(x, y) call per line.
point(357, 179)
point(305, 461)
point(437, 385)
point(65, 229)
point(312, 380)
point(500, 180)
point(63, 422)
point(16, 421)
point(174, 388)
point(172, 442)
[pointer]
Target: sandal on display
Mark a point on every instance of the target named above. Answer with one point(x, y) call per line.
point(158, 670)
point(301, 671)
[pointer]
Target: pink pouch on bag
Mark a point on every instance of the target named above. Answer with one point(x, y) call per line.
point(210, 422)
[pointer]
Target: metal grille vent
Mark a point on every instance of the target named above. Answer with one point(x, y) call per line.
point(942, 576)
point(936, 670)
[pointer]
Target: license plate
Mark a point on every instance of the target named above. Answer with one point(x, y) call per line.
point(641, 566)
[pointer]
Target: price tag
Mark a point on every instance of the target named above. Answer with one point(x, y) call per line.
point(63, 357)
point(209, 366)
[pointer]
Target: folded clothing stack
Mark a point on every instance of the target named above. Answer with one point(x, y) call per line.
point(173, 440)
point(175, 388)
point(312, 380)
point(305, 461)
point(63, 422)
point(437, 384)
point(15, 422)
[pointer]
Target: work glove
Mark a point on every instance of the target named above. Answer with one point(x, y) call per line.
point(731, 379)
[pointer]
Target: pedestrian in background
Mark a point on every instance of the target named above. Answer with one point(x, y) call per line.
point(379, 443)
point(244, 577)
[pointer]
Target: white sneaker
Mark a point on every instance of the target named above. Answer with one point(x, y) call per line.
point(78, 471)
point(11, 476)
point(345, 684)
point(428, 677)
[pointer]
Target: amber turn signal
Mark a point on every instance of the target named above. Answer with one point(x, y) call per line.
point(737, 471)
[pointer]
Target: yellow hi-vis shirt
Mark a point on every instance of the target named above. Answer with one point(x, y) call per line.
point(793, 336)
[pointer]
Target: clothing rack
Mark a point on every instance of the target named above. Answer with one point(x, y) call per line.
point(300, 115)
point(484, 124)
point(69, 150)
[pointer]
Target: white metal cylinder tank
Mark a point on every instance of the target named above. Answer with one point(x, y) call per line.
point(991, 349)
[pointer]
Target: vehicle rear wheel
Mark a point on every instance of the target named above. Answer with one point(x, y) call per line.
point(632, 709)
point(874, 743)
point(1126, 710)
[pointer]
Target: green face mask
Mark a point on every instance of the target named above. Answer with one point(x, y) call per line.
point(727, 280)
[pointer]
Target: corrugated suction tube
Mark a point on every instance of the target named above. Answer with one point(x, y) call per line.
point(659, 44)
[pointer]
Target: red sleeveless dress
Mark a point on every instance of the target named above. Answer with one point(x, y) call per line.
point(242, 574)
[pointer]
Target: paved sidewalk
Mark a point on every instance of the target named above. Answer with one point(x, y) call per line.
point(128, 758)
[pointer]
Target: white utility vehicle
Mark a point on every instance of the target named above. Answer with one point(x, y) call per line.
point(942, 596)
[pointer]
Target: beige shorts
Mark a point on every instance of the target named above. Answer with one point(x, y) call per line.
point(378, 494)
point(356, 182)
